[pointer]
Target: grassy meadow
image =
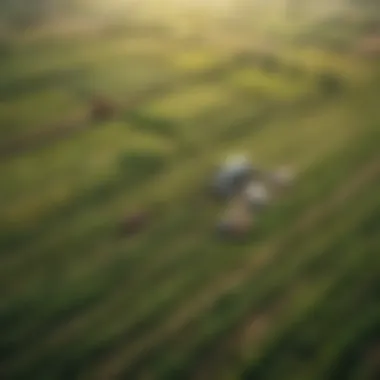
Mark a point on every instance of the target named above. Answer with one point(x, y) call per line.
point(299, 299)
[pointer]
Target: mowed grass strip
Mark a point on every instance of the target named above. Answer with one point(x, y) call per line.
point(150, 69)
point(116, 86)
point(316, 59)
point(189, 102)
point(341, 251)
point(263, 132)
point(196, 60)
point(188, 351)
point(40, 182)
point(352, 249)
point(323, 318)
point(90, 82)
point(178, 322)
point(270, 85)
point(140, 255)
point(64, 248)
point(23, 169)
point(90, 335)
point(31, 111)
point(60, 55)
point(121, 71)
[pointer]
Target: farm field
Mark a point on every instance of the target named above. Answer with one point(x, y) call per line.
point(299, 298)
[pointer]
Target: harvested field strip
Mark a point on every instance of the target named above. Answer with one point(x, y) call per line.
point(47, 135)
point(50, 134)
point(336, 299)
point(174, 301)
point(235, 290)
point(58, 57)
point(246, 339)
point(97, 232)
point(88, 169)
point(175, 323)
point(172, 170)
point(147, 285)
point(103, 254)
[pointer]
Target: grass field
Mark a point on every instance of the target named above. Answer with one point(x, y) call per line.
point(299, 299)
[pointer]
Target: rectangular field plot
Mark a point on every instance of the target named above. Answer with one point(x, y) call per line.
point(159, 291)
point(57, 55)
point(276, 86)
point(36, 101)
point(305, 142)
point(40, 180)
point(196, 60)
point(189, 102)
point(114, 261)
point(35, 112)
point(315, 60)
point(126, 75)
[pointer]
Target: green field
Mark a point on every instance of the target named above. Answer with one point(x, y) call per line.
point(299, 299)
